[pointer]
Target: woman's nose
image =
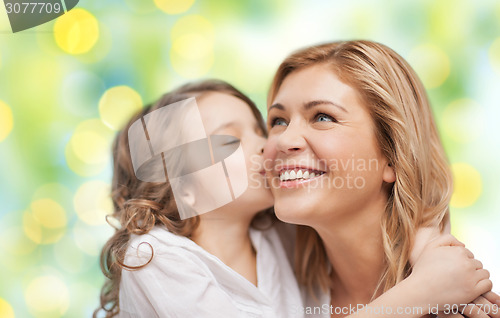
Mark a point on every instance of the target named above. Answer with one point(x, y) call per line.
point(291, 140)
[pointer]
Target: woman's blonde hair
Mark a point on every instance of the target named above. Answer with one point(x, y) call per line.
point(408, 137)
point(138, 205)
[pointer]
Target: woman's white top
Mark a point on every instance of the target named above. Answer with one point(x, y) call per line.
point(183, 280)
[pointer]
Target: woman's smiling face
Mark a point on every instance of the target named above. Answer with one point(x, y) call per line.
point(322, 153)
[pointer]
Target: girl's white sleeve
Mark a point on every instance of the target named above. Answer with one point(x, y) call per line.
point(173, 284)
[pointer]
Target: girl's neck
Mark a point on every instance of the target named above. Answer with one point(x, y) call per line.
point(228, 239)
point(355, 251)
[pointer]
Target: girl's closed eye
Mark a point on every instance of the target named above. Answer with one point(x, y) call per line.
point(232, 141)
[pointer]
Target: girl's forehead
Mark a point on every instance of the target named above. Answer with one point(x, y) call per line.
point(218, 109)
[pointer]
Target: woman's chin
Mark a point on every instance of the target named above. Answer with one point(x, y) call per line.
point(293, 214)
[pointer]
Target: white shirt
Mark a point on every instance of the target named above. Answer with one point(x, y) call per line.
point(316, 307)
point(183, 280)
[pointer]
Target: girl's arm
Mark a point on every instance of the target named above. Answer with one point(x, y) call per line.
point(446, 273)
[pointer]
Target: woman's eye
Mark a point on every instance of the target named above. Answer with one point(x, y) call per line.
point(278, 122)
point(325, 117)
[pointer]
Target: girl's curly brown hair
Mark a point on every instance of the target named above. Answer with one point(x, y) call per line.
point(138, 205)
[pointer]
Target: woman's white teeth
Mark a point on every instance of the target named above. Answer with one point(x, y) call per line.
point(285, 176)
point(299, 174)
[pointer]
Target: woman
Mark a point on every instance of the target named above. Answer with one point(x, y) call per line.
point(355, 159)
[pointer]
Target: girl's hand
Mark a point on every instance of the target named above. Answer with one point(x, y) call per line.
point(447, 273)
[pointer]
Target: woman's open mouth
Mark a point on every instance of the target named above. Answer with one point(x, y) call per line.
point(292, 177)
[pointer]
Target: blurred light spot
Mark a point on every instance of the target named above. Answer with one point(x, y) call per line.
point(431, 64)
point(6, 120)
point(89, 149)
point(451, 21)
point(85, 145)
point(48, 296)
point(463, 120)
point(192, 24)
point(6, 310)
point(80, 92)
point(56, 192)
point(32, 228)
point(192, 53)
point(92, 202)
point(494, 53)
point(45, 223)
point(84, 289)
point(141, 6)
point(70, 257)
point(467, 185)
point(174, 6)
point(101, 49)
point(77, 31)
point(118, 105)
point(79, 167)
point(90, 239)
point(192, 46)
point(49, 213)
point(193, 69)
point(15, 242)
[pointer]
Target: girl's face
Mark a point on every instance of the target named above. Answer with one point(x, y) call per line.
point(224, 114)
point(322, 155)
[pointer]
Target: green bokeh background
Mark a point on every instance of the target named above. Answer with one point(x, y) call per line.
point(52, 203)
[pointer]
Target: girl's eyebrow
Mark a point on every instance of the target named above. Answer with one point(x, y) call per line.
point(310, 105)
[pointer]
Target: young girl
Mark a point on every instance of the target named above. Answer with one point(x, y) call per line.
point(232, 261)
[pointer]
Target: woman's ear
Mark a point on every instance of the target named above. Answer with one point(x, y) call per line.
point(389, 175)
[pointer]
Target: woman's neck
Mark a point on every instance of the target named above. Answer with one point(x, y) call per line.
point(228, 239)
point(355, 250)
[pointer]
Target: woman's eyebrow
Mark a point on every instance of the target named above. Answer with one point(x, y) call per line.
point(310, 105)
point(278, 106)
point(314, 103)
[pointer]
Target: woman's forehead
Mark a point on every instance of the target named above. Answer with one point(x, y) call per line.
point(317, 82)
